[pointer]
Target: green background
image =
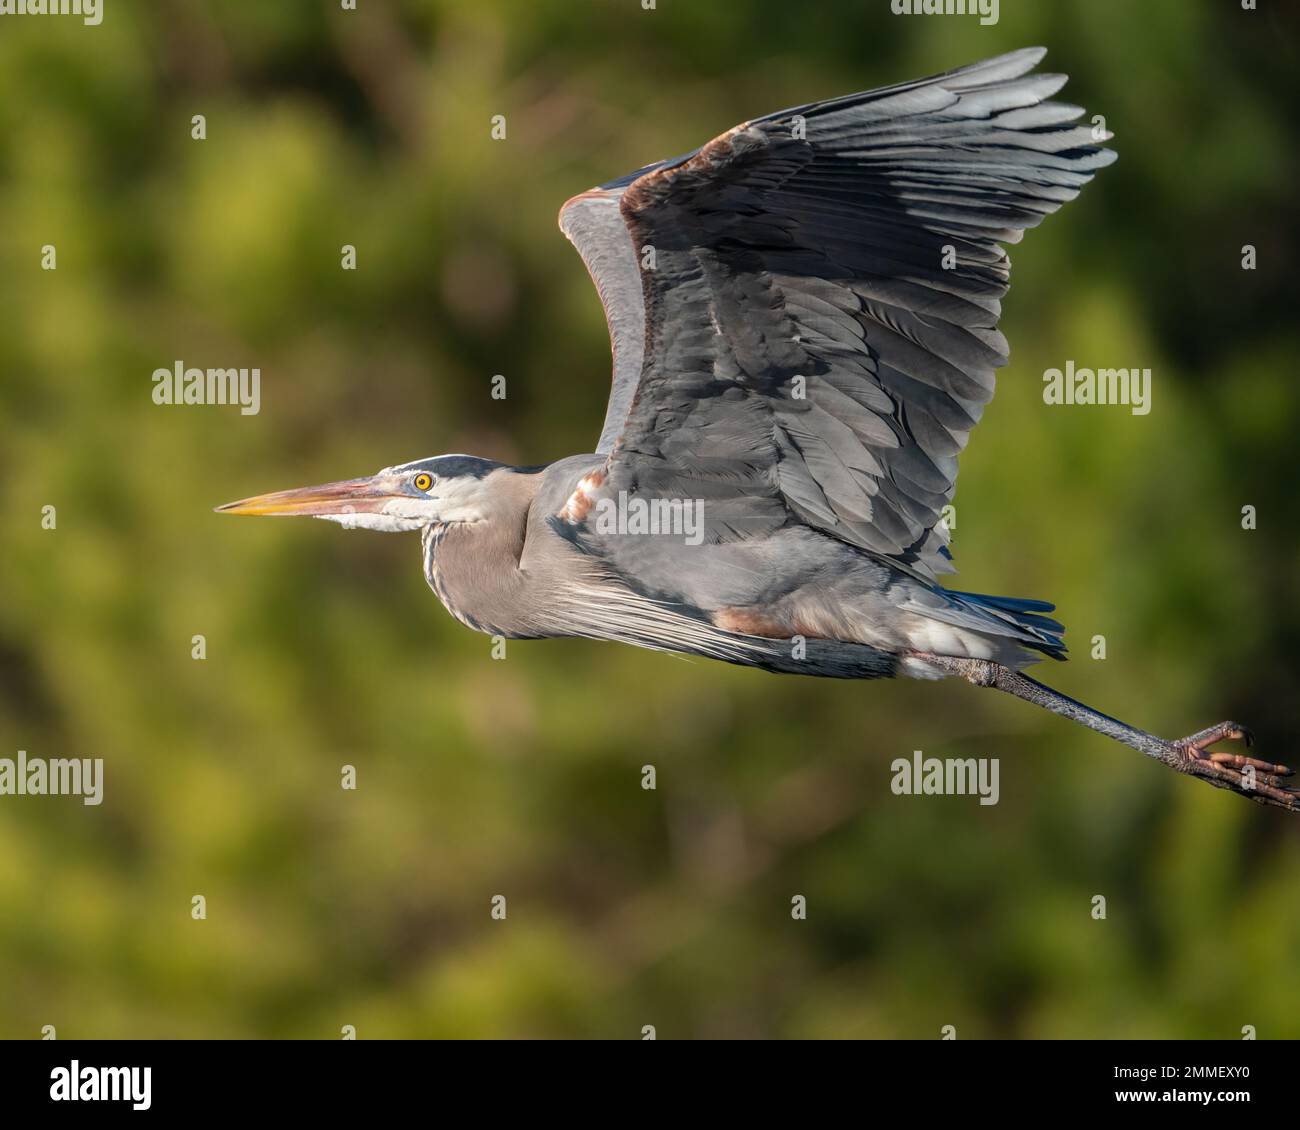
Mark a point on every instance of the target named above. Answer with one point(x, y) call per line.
point(522, 776)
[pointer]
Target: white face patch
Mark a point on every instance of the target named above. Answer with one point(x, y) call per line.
point(448, 500)
point(383, 523)
point(453, 500)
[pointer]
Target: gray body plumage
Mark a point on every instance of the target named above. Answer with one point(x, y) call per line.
point(553, 588)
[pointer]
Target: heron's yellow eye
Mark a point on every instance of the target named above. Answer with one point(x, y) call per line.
point(423, 481)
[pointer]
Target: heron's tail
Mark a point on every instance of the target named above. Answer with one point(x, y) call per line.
point(1005, 618)
point(1021, 619)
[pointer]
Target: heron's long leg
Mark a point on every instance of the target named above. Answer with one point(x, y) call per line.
point(1259, 780)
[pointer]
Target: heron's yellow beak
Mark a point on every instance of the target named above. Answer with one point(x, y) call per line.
point(351, 496)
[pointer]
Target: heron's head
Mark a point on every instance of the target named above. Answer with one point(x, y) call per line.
point(443, 489)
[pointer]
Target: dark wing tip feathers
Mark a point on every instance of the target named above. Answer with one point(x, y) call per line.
point(1022, 60)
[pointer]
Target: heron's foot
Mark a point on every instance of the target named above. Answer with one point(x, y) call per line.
point(1260, 780)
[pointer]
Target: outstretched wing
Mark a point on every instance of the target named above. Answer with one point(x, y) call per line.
point(804, 311)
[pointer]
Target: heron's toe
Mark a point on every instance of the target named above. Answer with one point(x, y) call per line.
point(1197, 748)
point(1251, 776)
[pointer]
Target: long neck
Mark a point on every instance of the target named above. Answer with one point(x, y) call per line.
point(474, 566)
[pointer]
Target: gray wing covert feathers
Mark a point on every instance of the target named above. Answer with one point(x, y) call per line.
point(796, 350)
point(594, 225)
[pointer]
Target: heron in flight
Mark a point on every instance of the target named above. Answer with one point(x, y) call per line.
point(804, 321)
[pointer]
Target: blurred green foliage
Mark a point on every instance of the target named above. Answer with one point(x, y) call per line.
point(522, 777)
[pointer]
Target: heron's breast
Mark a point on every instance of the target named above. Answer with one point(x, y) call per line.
point(477, 585)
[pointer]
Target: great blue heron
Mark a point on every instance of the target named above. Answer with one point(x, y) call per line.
point(803, 315)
